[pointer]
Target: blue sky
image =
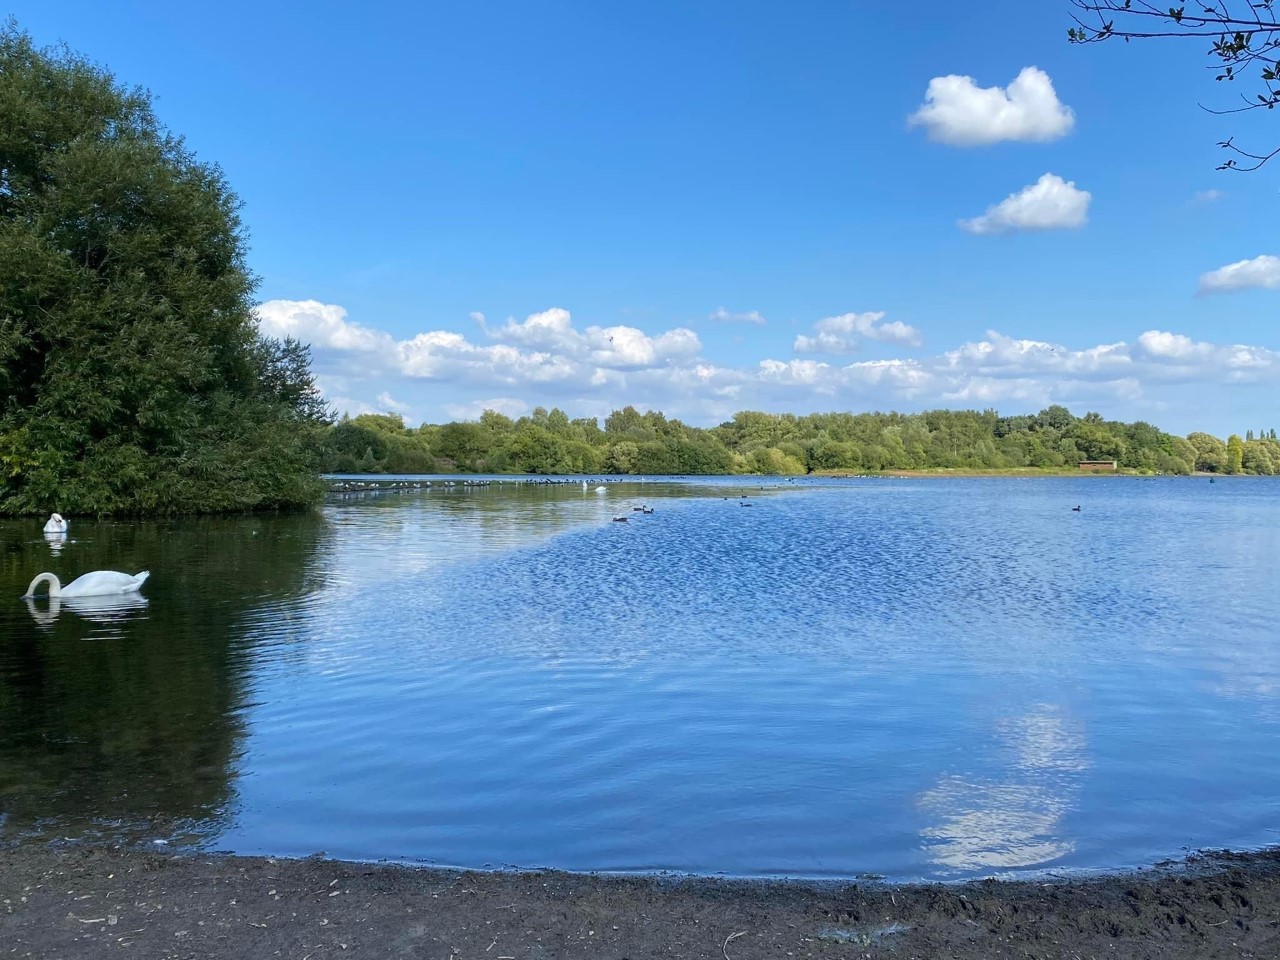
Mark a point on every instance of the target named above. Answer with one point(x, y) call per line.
point(725, 205)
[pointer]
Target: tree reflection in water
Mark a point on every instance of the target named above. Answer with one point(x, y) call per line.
point(127, 712)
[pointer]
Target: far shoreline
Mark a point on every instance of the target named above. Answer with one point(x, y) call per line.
point(595, 478)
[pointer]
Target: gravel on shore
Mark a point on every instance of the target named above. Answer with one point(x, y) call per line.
point(87, 902)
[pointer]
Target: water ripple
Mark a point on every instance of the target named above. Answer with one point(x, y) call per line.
point(917, 679)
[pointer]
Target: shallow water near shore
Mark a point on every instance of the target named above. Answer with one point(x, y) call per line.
point(910, 678)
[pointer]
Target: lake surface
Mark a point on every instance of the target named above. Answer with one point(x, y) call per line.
point(910, 678)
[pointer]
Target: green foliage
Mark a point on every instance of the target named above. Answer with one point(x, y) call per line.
point(1211, 453)
point(1260, 457)
point(1235, 454)
point(132, 375)
point(548, 442)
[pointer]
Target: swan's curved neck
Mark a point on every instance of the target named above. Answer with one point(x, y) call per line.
point(55, 587)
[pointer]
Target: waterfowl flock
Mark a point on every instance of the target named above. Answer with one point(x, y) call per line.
point(349, 486)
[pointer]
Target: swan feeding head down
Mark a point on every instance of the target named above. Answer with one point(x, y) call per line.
point(55, 524)
point(100, 583)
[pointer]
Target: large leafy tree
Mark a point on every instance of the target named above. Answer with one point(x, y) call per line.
point(133, 378)
point(1243, 38)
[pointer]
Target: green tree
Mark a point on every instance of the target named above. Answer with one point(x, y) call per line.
point(463, 443)
point(621, 457)
point(389, 423)
point(771, 461)
point(1211, 453)
point(1096, 442)
point(1235, 454)
point(345, 447)
point(1056, 417)
point(1182, 456)
point(547, 441)
point(133, 378)
point(625, 421)
point(1256, 458)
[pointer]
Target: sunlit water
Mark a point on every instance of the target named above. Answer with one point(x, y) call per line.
point(911, 678)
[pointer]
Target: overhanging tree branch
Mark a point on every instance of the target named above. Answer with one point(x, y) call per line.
point(1243, 34)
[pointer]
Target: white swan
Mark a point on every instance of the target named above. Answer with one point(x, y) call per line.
point(97, 584)
point(55, 524)
point(601, 489)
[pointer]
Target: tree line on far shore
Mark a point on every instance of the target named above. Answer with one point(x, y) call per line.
point(630, 442)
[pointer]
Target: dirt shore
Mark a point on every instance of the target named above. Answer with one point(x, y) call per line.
point(78, 902)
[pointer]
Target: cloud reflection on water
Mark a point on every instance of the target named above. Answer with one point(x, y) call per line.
point(1016, 820)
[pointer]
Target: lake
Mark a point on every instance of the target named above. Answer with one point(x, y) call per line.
point(912, 678)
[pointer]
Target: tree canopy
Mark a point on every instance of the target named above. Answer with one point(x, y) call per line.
point(133, 378)
point(631, 442)
point(1243, 39)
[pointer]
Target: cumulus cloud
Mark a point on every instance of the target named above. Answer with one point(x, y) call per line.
point(1156, 356)
point(1259, 273)
point(957, 111)
point(1173, 356)
point(546, 360)
point(442, 354)
point(844, 334)
point(322, 325)
point(1001, 356)
point(1050, 203)
point(721, 315)
point(618, 347)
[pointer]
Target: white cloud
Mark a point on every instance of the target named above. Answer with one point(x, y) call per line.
point(1051, 203)
point(721, 315)
point(1259, 273)
point(618, 347)
point(843, 334)
point(1208, 196)
point(391, 404)
point(444, 355)
point(1161, 345)
point(322, 325)
point(957, 111)
point(1001, 356)
point(1177, 358)
point(545, 360)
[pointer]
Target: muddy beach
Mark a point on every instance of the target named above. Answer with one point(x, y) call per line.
point(90, 902)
